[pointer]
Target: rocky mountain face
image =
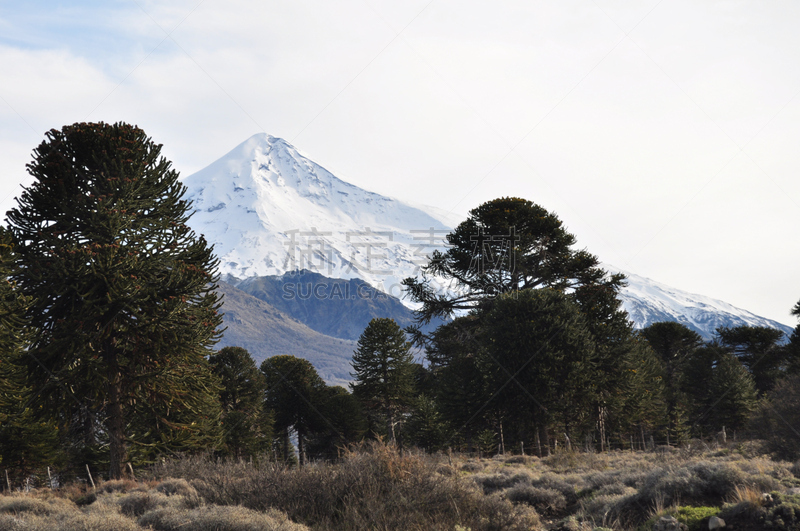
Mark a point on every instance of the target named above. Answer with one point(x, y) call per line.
point(331, 306)
point(265, 331)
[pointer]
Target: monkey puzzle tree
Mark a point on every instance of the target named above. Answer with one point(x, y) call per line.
point(512, 245)
point(294, 391)
point(507, 244)
point(384, 372)
point(246, 423)
point(124, 309)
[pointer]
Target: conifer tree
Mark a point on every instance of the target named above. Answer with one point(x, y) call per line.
point(506, 244)
point(384, 372)
point(759, 349)
point(124, 308)
point(544, 364)
point(674, 344)
point(294, 392)
point(27, 441)
point(246, 423)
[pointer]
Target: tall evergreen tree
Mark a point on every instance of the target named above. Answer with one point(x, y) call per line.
point(27, 441)
point(383, 369)
point(294, 392)
point(511, 245)
point(720, 389)
point(124, 308)
point(759, 349)
point(674, 344)
point(544, 363)
point(246, 423)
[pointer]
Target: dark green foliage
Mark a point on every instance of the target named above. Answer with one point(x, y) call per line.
point(505, 245)
point(124, 309)
point(293, 392)
point(760, 350)
point(458, 362)
point(512, 248)
point(383, 370)
point(344, 423)
point(777, 418)
point(27, 441)
point(426, 428)
point(720, 389)
point(544, 366)
point(246, 423)
point(642, 392)
point(674, 344)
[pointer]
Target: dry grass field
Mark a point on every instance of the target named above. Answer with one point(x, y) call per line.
point(378, 487)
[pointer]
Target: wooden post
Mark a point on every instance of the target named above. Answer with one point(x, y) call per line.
point(49, 478)
point(567, 442)
point(632, 443)
point(724, 436)
point(538, 443)
point(8, 482)
point(90, 477)
point(130, 467)
point(522, 447)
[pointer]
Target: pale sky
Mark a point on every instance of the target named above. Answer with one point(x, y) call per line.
point(665, 134)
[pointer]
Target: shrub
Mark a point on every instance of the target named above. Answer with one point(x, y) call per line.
point(472, 466)
point(374, 486)
point(218, 518)
point(172, 486)
point(136, 504)
point(782, 513)
point(118, 485)
point(492, 483)
point(547, 501)
point(24, 504)
point(695, 518)
point(98, 519)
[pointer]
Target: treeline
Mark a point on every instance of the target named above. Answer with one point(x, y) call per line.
point(108, 316)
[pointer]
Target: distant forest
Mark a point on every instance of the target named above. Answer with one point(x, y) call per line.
point(108, 316)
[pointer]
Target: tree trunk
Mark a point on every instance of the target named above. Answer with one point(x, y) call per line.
point(301, 449)
point(116, 430)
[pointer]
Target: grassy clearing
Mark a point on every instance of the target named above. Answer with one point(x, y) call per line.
point(378, 487)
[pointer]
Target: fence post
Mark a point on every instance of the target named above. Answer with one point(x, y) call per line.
point(90, 477)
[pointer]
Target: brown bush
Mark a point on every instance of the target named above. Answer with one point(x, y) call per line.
point(372, 487)
point(217, 518)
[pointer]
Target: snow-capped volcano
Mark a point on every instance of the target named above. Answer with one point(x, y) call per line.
point(269, 210)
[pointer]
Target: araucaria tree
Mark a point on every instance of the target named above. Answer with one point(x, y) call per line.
point(540, 338)
point(124, 309)
point(384, 372)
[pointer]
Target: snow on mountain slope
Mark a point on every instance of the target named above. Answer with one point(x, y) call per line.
point(269, 210)
point(647, 302)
